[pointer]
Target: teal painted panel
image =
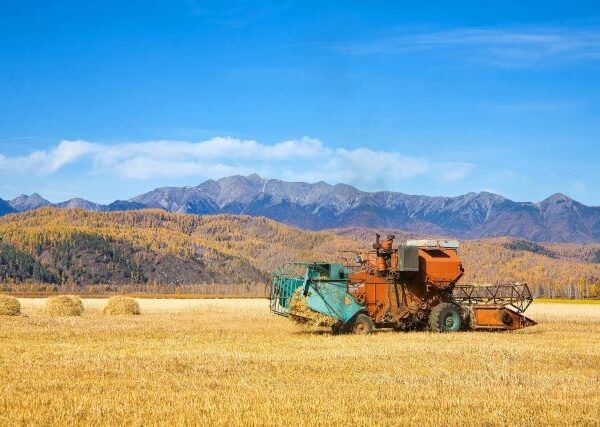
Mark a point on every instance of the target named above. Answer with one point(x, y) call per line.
point(326, 284)
point(332, 299)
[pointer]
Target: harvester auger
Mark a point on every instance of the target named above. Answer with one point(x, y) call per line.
point(409, 287)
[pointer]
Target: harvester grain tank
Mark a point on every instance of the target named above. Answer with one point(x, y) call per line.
point(412, 286)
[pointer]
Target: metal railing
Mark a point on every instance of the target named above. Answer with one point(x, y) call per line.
point(516, 295)
point(286, 279)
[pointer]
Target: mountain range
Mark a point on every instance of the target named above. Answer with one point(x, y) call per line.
point(321, 206)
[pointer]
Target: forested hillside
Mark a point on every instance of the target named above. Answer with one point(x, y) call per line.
point(76, 248)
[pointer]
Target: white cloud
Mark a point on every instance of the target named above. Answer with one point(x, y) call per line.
point(502, 46)
point(68, 151)
point(304, 159)
point(48, 161)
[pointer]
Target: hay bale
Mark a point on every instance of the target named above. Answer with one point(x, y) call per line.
point(304, 315)
point(9, 306)
point(121, 305)
point(64, 305)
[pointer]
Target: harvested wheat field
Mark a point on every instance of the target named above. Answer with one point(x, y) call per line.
point(229, 362)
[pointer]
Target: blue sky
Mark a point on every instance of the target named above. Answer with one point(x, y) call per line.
point(108, 99)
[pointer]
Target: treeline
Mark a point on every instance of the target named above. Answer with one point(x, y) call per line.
point(19, 266)
point(154, 249)
point(89, 258)
point(227, 243)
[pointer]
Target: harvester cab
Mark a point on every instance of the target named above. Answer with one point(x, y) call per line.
point(409, 287)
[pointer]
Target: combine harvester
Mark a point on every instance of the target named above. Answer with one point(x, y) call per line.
point(410, 287)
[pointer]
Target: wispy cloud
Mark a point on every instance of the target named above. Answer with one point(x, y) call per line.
point(47, 161)
point(508, 46)
point(304, 159)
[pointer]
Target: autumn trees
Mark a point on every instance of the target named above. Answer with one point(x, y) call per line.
point(154, 248)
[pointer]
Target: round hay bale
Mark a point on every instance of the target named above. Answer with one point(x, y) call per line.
point(9, 306)
point(121, 305)
point(64, 305)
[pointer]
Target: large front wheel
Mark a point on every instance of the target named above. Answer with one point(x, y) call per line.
point(445, 317)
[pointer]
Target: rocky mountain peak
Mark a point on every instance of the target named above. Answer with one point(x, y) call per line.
point(558, 198)
point(24, 202)
point(80, 203)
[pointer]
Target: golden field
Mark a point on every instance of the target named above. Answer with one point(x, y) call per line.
point(229, 362)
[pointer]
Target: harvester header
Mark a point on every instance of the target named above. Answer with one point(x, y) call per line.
point(408, 287)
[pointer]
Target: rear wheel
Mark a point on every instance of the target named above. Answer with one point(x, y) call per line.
point(445, 317)
point(362, 325)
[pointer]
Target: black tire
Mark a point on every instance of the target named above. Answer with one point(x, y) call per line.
point(445, 317)
point(362, 325)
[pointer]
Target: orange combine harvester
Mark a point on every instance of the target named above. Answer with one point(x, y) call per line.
point(408, 287)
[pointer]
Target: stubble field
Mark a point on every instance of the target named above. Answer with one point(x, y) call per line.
point(229, 362)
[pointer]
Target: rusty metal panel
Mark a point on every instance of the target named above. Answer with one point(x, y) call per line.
point(500, 318)
point(488, 316)
point(408, 258)
point(441, 267)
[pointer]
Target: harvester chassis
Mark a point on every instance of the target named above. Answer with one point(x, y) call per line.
point(412, 287)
